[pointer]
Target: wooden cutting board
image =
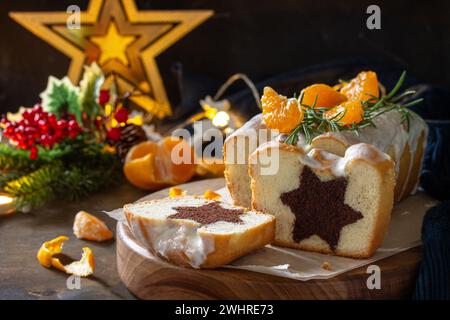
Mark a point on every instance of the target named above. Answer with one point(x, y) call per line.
point(149, 277)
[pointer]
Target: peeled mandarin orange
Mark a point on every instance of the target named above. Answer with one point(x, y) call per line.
point(346, 113)
point(363, 87)
point(279, 112)
point(88, 227)
point(327, 97)
point(152, 165)
point(141, 172)
point(180, 165)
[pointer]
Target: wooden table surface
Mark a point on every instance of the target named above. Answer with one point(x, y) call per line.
point(21, 235)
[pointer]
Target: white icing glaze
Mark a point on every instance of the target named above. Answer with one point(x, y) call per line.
point(172, 237)
point(359, 151)
point(337, 164)
point(318, 159)
point(387, 133)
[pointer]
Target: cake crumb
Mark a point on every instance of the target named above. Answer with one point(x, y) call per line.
point(327, 266)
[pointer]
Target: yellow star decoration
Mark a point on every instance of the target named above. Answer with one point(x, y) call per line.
point(124, 41)
point(113, 45)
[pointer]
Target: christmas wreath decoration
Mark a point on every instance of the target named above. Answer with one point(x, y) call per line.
point(65, 146)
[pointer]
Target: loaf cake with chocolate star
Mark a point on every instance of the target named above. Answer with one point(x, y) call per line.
point(333, 119)
point(196, 232)
point(323, 126)
point(323, 202)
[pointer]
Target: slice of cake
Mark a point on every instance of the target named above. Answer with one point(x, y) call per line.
point(323, 202)
point(196, 232)
point(236, 149)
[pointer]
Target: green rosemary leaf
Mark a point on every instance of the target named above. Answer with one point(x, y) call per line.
point(412, 103)
point(397, 86)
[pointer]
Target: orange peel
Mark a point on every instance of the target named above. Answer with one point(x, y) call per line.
point(211, 195)
point(50, 248)
point(82, 268)
point(88, 227)
point(176, 192)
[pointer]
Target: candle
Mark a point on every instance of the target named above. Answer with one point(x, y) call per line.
point(6, 204)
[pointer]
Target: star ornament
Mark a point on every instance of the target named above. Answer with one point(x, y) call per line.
point(319, 208)
point(124, 41)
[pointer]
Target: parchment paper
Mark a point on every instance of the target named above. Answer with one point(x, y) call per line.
point(404, 233)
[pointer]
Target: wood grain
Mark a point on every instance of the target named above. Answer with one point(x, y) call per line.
point(149, 277)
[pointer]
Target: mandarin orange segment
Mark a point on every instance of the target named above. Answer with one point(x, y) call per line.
point(346, 113)
point(279, 112)
point(89, 227)
point(141, 172)
point(153, 165)
point(179, 156)
point(327, 97)
point(211, 195)
point(176, 192)
point(363, 87)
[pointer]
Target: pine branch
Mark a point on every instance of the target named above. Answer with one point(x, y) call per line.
point(34, 189)
point(12, 159)
point(5, 177)
point(77, 181)
point(70, 171)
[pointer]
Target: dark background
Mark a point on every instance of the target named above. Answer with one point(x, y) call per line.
point(260, 38)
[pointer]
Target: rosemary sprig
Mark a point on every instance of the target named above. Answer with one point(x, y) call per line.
point(314, 122)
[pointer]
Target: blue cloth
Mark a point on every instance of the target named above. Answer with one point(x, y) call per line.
point(434, 275)
point(433, 281)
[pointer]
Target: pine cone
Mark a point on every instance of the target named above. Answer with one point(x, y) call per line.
point(130, 135)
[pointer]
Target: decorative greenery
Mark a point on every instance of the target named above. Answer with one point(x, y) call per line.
point(90, 84)
point(314, 121)
point(61, 97)
point(69, 171)
point(71, 159)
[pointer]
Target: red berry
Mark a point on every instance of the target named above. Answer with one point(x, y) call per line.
point(61, 124)
point(52, 119)
point(103, 97)
point(113, 134)
point(121, 115)
point(73, 124)
point(28, 115)
point(33, 153)
point(37, 108)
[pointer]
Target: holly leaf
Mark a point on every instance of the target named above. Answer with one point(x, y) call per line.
point(90, 85)
point(60, 97)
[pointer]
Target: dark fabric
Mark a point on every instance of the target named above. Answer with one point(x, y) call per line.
point(434, 275)
point(435, 109)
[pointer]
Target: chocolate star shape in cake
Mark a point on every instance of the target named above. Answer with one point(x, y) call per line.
point(208, 213)
point(319, 208)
